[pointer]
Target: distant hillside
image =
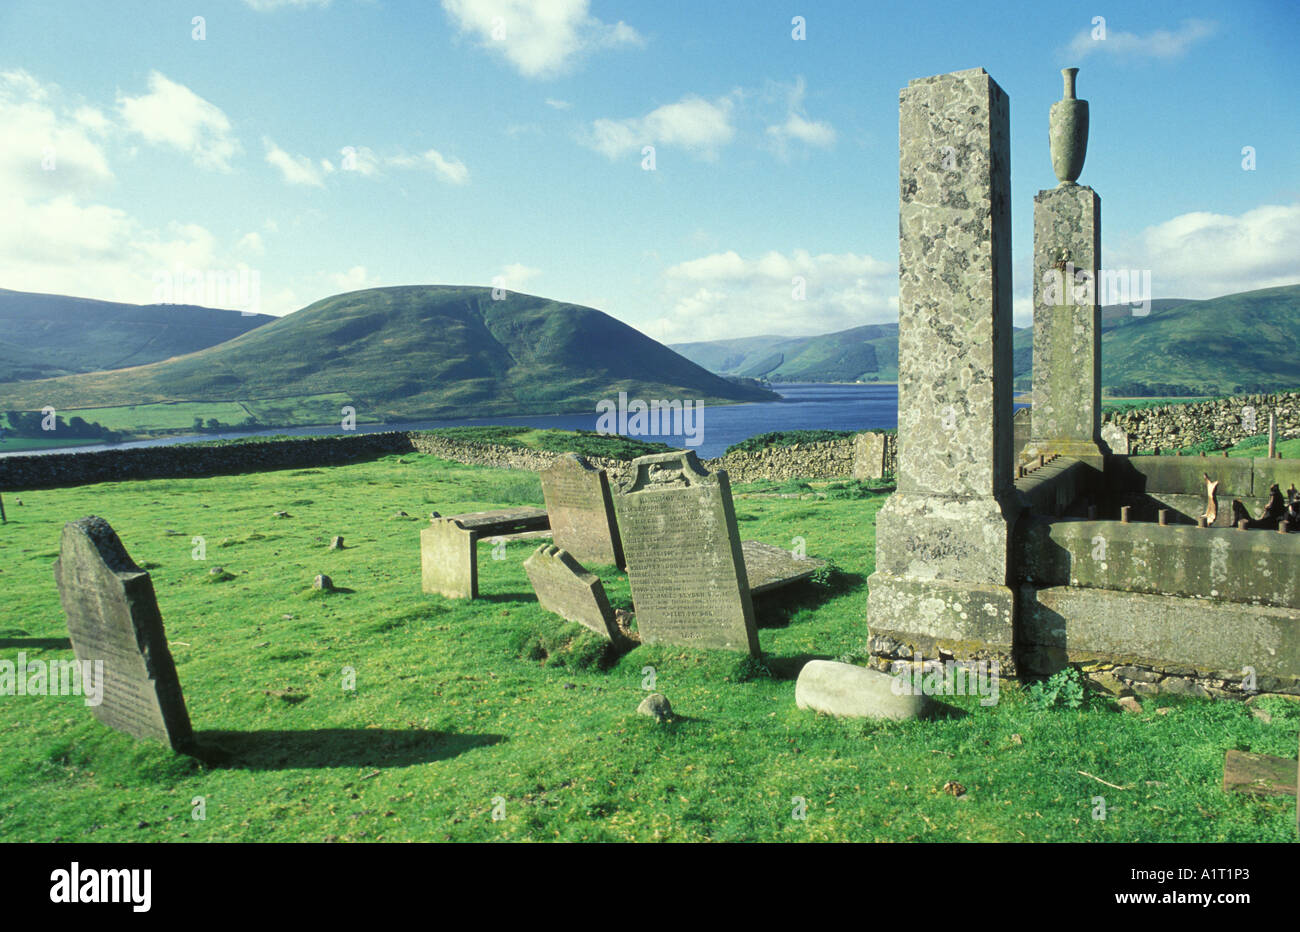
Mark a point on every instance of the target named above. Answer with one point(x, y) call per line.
point(868, 353)
point(44, 335)
point(1239, 342)
point(1112, 317)
point(401, 353)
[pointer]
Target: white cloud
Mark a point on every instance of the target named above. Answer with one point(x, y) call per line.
point(63, 246)
point(540, 38)
point(251, 243)
point(558, 104)
point(360, 159)
point(264, 6)
point(797, 127)
point(1022, 311)
point(296, 169)
point(48, 149)
point(513, 276)
point(450, 170)
point(725, 295)
point(54, 237)
point(1204, 255)
point(354, 279)
point(814, 133)
point(692, 123)
point(1161, 44)
point(173, 115)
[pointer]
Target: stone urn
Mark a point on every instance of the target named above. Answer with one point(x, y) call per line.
point(1068, 132)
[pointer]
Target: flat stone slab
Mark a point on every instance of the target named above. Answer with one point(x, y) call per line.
point(503, 521)
point(568, 590)
point(1258, 774)
point(115, 627)
point(848, 691)
point(771, 567)
point(581, 510)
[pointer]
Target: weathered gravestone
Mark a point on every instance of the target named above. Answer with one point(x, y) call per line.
point(684, 559)
point(568, 590)
point(448, 560)
point(581, 510)
point(869, 455)
point(113, 618)
point(449, 551)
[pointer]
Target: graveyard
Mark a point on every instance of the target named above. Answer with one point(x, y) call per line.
point(463, 705)
point(411, 648)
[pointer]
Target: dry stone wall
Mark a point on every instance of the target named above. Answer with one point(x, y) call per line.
point(1225, 421)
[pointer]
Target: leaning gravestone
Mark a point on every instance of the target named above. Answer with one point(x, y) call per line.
point(568, 590)
point(581, 510)
point(684, 560)
point(113, 618)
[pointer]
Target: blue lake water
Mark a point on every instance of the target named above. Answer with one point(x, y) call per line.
point(802, 406)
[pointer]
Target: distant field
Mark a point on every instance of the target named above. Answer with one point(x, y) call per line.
point(1133, 404)
point(180, 415)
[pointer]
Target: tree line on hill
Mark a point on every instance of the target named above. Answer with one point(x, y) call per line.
point(38, 424)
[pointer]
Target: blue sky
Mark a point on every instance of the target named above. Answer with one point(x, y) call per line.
point(330, 145)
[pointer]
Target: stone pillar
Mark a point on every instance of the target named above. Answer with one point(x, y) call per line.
point(943, 538)
point(1066, 416)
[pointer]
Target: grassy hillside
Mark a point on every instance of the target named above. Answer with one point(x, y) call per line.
point(403, 353)
point(458, 703)
point(45, 335)
point(1236, 343)
point(868, 353)
point(1113, 316)
point(1239, 342)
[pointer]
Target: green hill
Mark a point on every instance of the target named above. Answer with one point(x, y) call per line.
point(1227, 345)
point(1238, 342)
point(395, 354)
point(868, 353)
point(45, 335)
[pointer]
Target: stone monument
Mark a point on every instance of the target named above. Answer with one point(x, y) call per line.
point(943, 538)
point(581, 510)
point(1066, 418)
point(113, 619)
point(684, 558)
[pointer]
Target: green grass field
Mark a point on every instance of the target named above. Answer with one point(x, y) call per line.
point(1258, 446)
point(458, 704)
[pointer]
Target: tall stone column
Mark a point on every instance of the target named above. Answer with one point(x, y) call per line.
point(943, 538)
point(1066, 415)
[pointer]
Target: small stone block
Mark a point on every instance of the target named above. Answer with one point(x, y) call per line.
point(1258, 774)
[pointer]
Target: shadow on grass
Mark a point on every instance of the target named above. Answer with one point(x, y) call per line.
point(787, 668)
point(507, 597)
point(775, 608)
point(36, 643)
point(332, 747)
